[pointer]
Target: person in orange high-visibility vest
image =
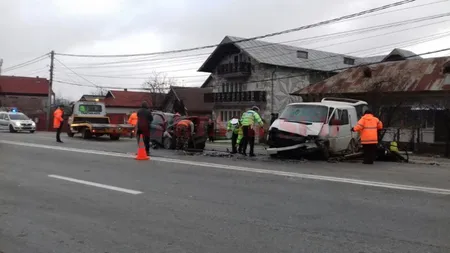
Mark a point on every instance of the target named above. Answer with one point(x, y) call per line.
point(58, 122)
point(368, 127)
point(184, 132)
point(133, 120)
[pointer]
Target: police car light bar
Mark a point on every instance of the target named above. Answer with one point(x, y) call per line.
point(9, 109)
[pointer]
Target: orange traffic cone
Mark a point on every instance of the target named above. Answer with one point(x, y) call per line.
point(141, 154)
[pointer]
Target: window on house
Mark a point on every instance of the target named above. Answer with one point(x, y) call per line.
point(302, 54)
point(349, 61)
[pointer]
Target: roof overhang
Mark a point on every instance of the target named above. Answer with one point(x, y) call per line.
point(225, 47)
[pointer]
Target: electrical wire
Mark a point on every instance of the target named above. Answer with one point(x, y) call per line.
point(410, 42)
point(370, 29)
point(305, 40)
point(305, 27)
point(270, 79)
point(27, 63)
point(95, 85)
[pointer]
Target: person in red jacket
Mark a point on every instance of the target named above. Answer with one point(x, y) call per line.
point(58, 122)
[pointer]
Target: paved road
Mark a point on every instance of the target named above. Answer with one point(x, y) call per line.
point(76, 197)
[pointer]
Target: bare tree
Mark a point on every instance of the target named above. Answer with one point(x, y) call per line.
point(158, 84)
point(99, 92)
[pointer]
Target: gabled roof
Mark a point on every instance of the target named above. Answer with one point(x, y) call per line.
point(404, 54)
point(193, 98)
point(281, 55)
point(24, 85)
point(408, 75)
point(128, 99)
point(205, 83)
point(92, 97)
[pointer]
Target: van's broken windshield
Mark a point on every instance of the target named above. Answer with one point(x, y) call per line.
point(304, 113)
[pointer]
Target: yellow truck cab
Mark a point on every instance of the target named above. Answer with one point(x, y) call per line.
point(90, 120)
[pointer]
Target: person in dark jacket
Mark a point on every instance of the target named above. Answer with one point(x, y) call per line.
point(145, 119)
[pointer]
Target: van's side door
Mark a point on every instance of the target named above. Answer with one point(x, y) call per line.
point(340, 130)
point(345, 134)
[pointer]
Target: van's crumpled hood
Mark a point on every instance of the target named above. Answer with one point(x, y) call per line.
point(314, 129)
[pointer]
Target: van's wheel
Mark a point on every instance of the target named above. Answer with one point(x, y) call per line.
point(352, 147)
point(324, 151)
point(11, 129)
point(86, 134)
point(70, 134)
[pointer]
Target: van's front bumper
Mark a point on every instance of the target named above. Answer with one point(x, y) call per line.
point(302, 146)
point(281, 141)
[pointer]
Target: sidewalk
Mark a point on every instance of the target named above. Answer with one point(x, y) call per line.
point(418, 159)
point(223, 145)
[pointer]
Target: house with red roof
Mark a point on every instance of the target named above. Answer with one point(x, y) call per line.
point(120, 103)
point(28, 94)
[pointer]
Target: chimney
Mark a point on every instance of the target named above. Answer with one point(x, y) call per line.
point(125, 89)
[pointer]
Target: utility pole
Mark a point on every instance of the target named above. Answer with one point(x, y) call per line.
point(50, 89)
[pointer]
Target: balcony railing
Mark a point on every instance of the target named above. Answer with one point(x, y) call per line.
point(234, 69)
point(244, 96)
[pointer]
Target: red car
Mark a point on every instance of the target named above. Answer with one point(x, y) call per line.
point(163, 134)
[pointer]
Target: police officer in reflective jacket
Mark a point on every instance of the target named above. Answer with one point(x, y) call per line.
point(248, 119)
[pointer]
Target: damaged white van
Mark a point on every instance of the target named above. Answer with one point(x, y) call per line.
point(317, 127)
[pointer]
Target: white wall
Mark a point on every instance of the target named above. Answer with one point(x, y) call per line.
point(119, 110)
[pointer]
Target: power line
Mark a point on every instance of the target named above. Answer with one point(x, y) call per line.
point(285, 42)
point(29, 62)
point(134, 76)
point(270, 79)
point(95, 85)
point(317, 39)
point(330, 21)
point(366, 64)
point(318, 60)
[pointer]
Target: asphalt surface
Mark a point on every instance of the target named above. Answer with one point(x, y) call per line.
point(203, 203)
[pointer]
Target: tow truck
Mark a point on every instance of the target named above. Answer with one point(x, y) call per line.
point(90, 120)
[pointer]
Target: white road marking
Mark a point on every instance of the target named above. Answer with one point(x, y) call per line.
point(247, 169)
point(109, 187)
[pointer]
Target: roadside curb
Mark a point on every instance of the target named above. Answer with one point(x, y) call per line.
point(419, 162)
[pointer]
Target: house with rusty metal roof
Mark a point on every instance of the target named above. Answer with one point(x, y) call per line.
point(245, 73)
point(420, 88)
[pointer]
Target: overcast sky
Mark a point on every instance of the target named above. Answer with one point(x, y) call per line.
point(30, 28)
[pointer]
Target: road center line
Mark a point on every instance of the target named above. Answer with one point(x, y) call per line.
point(109, 187)
point(247, 169)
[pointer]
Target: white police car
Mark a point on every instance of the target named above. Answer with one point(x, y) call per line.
point(15, 121)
